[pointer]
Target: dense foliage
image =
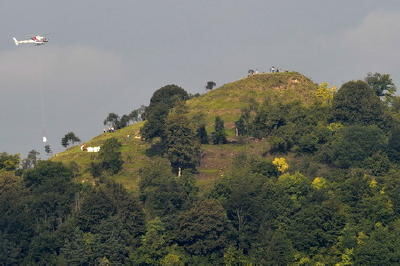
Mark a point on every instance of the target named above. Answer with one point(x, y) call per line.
point(325, 190)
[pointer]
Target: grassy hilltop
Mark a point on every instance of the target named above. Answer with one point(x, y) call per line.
point(226, 102)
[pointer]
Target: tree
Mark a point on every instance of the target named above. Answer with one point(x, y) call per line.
point(153, 244)
point(356, 102)
point(273, 248)
point(219, 136)
point(315, 226)
point(162, 193)
point(202, 230)
point(31, 160)
point(15, 222)
point(353, 144)
point(182, 147)
point(123, 122)
point(96, 207)
point(53, 194)
point(163, 100)
point(210, 85)
point(47, 149)
point(69, 138)
point(137, 114)
point(9, 162)
point(243, 125)
point(113, 120)
point(394, 144)
point(381, 83)
point(110, 156)
point(169, 95)
point(380, 248)
point(202, 134)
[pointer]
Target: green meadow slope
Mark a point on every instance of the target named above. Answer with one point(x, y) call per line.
point(229, 99)
point(226, 102)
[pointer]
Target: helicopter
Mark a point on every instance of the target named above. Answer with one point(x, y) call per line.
point(36, 40)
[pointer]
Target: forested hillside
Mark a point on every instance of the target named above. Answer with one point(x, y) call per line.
point(272, 169)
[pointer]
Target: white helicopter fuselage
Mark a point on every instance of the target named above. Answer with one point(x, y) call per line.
point(37, 40)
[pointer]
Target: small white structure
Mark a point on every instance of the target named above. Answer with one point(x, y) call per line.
point(90, 149)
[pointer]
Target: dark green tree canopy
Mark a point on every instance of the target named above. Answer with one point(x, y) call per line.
point(162, 101)
point(9, 161)
point(69, 138)
point(110, 156)
point(203, 228)
point(182, 146)
point(210, 85)
point(352, 145)
point(168, 95)
point(356, 102)
point(46, 171)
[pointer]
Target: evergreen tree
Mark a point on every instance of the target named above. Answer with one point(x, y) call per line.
point(243, 125)
point(219, 136)
point(202, 134)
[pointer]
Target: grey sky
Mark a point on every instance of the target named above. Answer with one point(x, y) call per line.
point(110, 56)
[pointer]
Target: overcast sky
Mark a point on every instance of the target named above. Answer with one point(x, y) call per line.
point(110, 56)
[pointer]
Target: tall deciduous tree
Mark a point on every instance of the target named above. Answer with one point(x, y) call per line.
point(69, 138)
point(352, 145)
point(113, 120)
point(162, 193)
point(381, 83)
point(156, 114)
point(182, 146)
point(31, 160)
point(202, 230)
point(110, 156)
point(356, 102)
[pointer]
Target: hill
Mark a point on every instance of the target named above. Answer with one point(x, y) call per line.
point(312, 179)
point(226, 102)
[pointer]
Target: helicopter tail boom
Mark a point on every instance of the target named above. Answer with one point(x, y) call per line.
point(16, 42)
